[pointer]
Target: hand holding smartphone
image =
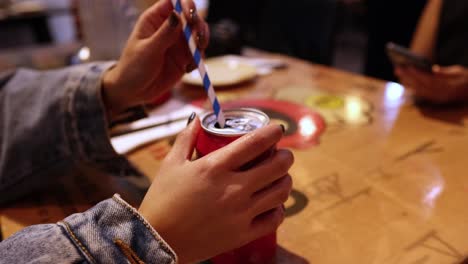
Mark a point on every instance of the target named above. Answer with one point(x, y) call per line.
point(403, 57)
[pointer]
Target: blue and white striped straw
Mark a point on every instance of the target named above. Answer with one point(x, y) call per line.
point(200, 65)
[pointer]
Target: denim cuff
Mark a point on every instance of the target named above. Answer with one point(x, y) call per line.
point(88, 125)
point(114, 232)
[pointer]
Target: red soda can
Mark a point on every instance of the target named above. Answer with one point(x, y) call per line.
point(239, 122)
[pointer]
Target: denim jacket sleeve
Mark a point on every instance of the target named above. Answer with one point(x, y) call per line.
point(110, 232)
point(50, 122)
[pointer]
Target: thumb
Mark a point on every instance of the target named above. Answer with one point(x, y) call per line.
point(186, 140)
point(168, 33)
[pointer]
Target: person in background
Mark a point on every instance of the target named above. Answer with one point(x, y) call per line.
point(107, 24)
point(305, 30)
point(388, 21)
point(441, 37)
point(56, 120)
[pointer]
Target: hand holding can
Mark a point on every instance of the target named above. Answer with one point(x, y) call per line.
point(239, 123)
point(208, 206)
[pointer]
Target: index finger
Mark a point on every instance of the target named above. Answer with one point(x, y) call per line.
point(249, 147)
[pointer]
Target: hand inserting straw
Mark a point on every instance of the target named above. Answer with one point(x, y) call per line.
point(200, 65)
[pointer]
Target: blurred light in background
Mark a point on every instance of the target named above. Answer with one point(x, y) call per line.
point(393, 91)
point(84, 54)
point(307, 127)
point(353, 109)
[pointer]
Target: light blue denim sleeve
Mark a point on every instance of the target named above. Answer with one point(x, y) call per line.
point(50, 122)
point(110, 232)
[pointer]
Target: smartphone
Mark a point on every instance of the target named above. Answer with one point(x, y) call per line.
point(401, 56)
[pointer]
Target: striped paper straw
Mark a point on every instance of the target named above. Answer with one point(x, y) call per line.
point(200, 65)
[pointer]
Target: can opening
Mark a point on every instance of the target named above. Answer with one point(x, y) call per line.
point(226, 125)
point(238, 122)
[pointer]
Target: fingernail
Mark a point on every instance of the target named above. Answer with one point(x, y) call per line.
point(191, 118)
point(173, 19)
point(283, 128)
point(193, 15)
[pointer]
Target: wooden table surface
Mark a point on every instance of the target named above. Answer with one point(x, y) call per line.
point(385, 184)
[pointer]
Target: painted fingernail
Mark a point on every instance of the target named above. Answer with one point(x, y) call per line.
point(193, 15)
point(173, 19)
point(283, 128)
point(191, 118)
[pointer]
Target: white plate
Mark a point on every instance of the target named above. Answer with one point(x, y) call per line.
point(223, 71)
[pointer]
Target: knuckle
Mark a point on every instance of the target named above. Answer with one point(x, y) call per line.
point(288, 187)
point(212, 163)
point(180, 139)
point(277, 218)
point(283, 167)
point(283, 197)
point(272, 221)
point(282, 190)
point(288, 183)
point(144, 17)
point(261, 141)
point(284, 194)
point(170, 158)
point(205, 166)
point(189, 3)
point(290, 156)
point(183, 134)
point(286, 160)
point(268, 136)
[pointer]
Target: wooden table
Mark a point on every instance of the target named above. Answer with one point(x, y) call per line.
point(389, 190)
